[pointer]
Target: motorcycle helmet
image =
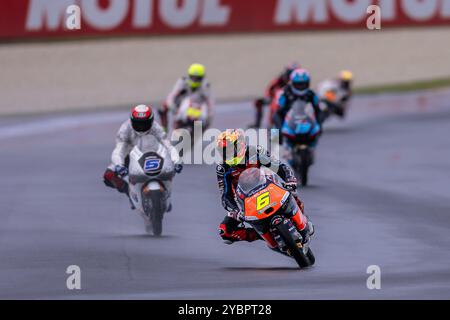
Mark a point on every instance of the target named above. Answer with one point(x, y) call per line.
point(346, 78)
point(196, 73)
point(141, 118)
point(232, 146)
point(300, 80)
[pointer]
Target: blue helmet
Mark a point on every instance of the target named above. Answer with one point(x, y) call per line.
point(300, 80)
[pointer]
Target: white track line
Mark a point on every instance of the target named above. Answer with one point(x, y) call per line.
point(89, 119)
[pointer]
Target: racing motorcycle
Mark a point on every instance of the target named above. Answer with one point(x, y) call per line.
point(300, 131)
point(151, 171)
point(193, 110)
point(269, 208)
point(193, 107)
point(331, 103)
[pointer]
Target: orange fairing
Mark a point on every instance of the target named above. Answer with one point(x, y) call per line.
point(257, 206)
point(330, 95)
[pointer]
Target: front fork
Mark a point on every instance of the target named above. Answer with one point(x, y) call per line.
point(294, 232)
point(298, 223)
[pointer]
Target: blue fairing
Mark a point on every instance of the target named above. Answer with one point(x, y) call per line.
point(316, 129)
point(287, 130)
point(303, 128)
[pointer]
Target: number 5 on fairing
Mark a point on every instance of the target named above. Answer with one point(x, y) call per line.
point(262, 201)
point(152, 165)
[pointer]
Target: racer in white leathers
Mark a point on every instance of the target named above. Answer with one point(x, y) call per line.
point(194, 82)
point(336, 93)
point(139, 129)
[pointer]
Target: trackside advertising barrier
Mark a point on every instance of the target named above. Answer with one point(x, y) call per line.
point(48, 18)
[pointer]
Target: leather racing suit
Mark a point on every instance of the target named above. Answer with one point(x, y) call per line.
point(335, 93)
point(182, 89)
point(126, 139)
point(228, 176)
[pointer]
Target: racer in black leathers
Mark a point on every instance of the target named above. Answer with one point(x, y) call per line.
point(228, 174)
point(298, 89)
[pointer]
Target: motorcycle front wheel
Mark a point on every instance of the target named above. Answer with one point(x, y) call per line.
point(302, 260)
point(157, 213)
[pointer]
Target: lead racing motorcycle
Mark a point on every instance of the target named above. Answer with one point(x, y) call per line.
point(269, 208)
point(151, 171)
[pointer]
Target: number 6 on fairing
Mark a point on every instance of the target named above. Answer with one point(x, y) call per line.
point(262, 201)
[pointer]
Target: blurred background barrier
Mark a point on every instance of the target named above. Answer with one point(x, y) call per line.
point(45, 18)
point(119, 71)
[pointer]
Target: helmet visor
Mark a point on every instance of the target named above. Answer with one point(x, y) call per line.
point(345, 84)
point(302, 85)
point(142, 125)
point(233, 154)
point(196, 79)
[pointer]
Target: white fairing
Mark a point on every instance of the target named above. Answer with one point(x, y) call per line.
point(330, 85)
point(138, 177)
point(195, 102)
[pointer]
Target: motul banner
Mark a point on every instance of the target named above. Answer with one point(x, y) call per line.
point(49, 18)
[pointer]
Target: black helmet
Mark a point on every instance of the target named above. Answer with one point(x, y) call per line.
point(141, 118)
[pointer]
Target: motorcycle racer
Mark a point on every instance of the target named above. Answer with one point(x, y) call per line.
point(139, 128)
point(336, 92)
point(297, 90)
point(277, 84)
point(194, 82)
point(237, 157)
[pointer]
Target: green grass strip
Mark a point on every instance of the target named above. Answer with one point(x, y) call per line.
point(405, 87)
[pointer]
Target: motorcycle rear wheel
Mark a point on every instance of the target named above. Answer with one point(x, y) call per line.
point(303, 162)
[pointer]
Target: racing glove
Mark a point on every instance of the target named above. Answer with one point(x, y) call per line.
point(178, 168)
point(236, 215)
point(121, 171)
point(229, 205)
point(291, 186)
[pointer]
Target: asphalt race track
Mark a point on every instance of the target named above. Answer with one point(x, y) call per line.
point(379, 195)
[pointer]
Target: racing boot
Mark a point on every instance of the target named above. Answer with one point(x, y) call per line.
point(131, 203)
point(230, 231)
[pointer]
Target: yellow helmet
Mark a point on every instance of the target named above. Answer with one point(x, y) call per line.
point(346, 75)
point(232, 147)
point(196, 73)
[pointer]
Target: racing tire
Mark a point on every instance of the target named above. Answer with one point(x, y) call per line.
point(304, 174)
point(304, 167)
point(157, 214)
point(311, 257)
point(296, 252)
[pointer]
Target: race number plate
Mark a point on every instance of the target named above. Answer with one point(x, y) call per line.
point(151, 163)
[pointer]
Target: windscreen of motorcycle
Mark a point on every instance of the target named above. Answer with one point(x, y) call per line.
point(250, 180)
